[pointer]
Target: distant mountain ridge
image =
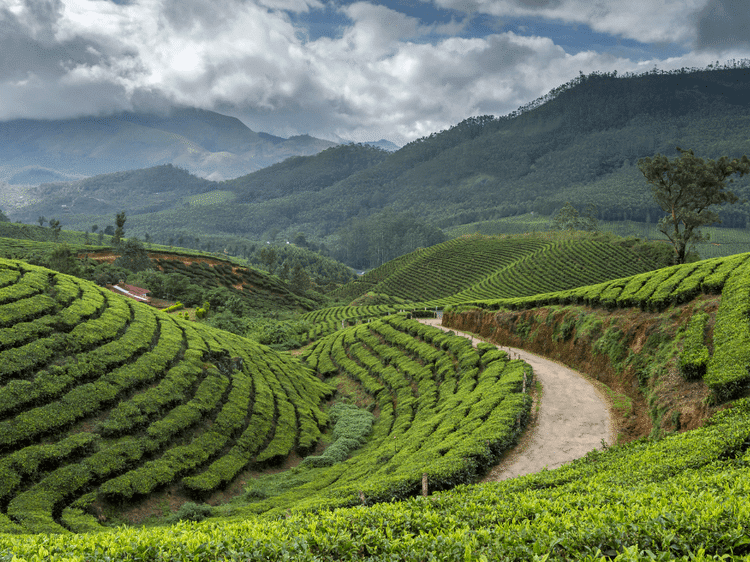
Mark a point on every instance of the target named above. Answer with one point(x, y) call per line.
point(206, 143)
point(580, 144)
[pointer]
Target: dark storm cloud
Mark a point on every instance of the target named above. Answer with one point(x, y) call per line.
point(724, 25)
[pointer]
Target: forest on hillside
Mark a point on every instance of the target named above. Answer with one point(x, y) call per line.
point(580, 144)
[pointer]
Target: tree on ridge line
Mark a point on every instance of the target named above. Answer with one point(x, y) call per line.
point(686, 188)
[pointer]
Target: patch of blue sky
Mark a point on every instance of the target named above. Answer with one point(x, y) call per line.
point(331, 22)
point(575, 38)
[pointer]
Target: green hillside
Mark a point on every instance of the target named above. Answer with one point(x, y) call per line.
point(470, 267)
point(579, 144)
point(683, 496)
point(108, 406)
point(106, 399)
point(302, 273)
point(445, 411)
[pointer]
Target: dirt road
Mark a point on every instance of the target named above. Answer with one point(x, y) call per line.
point(572, 418)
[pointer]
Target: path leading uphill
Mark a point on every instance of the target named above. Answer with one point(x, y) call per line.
point(572, 418)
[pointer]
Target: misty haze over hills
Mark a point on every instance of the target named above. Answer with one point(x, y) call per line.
point(205, 143)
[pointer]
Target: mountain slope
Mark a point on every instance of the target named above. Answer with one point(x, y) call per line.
point(103, 398)
point(166, 190)
point(204, 142)
point(465, 268)
point(581, 143)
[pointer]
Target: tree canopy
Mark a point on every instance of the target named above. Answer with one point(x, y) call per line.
point(687, 188)
point(568, 218)
point(133, 256)
point(120, 230)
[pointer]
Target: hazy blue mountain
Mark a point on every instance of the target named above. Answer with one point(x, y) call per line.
point(385, 145)
point(205, 143)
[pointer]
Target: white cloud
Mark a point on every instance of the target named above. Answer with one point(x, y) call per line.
point(384, 75)
point(648, 21)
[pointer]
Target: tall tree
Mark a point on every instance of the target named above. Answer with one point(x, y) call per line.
point(269, 256)
point(55, 225)
point(687, 188)
point(300, 279)
point(120, 230)
point(64, 260)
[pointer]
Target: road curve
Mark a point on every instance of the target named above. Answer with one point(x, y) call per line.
point(572, 418)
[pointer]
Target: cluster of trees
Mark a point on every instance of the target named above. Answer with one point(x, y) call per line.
point(568, 218)
point(302, 264)
point(372, 241)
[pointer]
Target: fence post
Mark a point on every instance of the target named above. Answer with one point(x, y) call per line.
point(425, 491)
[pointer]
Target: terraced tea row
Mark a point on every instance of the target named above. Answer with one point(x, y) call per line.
point(327, 320)
point(106, 400)
point(369, 280)
point(557, 267)
point(446, 269)
point(654, 290)
point(445, 410)
point(684, 497)
point(483, 267)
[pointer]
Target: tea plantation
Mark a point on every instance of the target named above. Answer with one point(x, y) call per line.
point(107, 398)
point(104, 401)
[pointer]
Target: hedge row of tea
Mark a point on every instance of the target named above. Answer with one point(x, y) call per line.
point(486, 267)
point(448, 268)
point(328, 320)
point(559, 266)
point(653, 291)
point(445, 410)
point(684, 497)
point(367, 282)
point(106, 398)
point(728, 369)
point(22, 248)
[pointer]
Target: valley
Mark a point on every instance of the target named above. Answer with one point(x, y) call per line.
point(95, 425)
point(494, 383)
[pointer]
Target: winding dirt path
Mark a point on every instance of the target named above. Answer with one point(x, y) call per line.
point(573, 418)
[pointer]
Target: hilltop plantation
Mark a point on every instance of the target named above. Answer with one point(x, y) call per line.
point(109, 407)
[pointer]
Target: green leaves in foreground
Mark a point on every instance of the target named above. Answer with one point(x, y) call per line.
point(684, 497)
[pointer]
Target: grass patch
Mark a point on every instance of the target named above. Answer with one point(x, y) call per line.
point(210, 198)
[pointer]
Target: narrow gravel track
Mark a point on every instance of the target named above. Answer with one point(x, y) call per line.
point(573, 418)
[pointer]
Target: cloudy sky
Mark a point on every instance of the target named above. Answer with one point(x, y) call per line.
point(359, 71)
